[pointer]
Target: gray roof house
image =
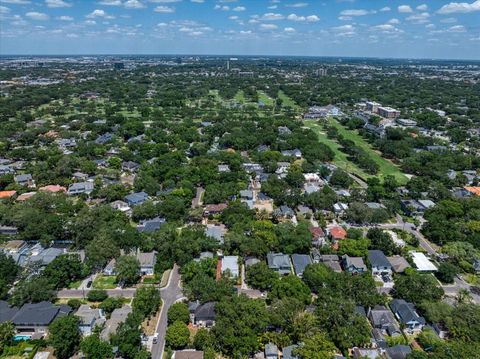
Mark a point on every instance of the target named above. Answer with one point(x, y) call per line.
point(147, 262)
point(80, 187)
point(300, 262)
point(117, 317)
point(379, 262)
point(151, 225)
point(283, 212)
point(7, 312)
point(204, 314)
point(230, 264)
point(271, 351)
point(217, 232)
point(353, 265)
point(287, 352)
point(24, 180)
point(89, 318)
point(46, 256)
point(398, 352)
point(476, 265)
point(407, 315)
point(34, 318)
point(279, 262)
point(382, 318)
point(135, 199)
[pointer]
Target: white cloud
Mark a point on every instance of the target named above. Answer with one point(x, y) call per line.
point(4, 10)
point(298, 4)
point(57, 3)
point(449, 20)
point(313, 18)
point(268, 27)
point(270, 16)
point(164, 9)
point(344, 30)
point(111, 2)
point(384, 9)
point(37, 16)
point(459, 7)
point(165, 1)
point(422, 7)
point(430, 26)
point(457, 28)
point(289, 29)
point(405, 9)
point(233, 17)
point(134, 4)
point(90, 22)
point(198, 1)
point(222, 7)
point(245, 32)
point(421, 18)
point(345, 18)
point(393, 21)
point(272, 7)
point(239, 8)
point(65, 18)
point(295, 17)
point(97, 13)
point(16, 2)
point(354, 12)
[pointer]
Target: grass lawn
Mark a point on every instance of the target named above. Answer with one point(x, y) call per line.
point(341, 160)
point(472, 279)
point(75, 284)
point(267, 100)
point(151, 280)
point(387, 168)
point(287, 101)
point(239, 97)
point(105, 282)
point(165, 277)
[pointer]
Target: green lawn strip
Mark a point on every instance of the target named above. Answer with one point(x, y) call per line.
point(386, 167)
point(288, 102)
point(341, 160)
point(267, 100)
point(75, 284)
point(239, 97)
point(105, 282)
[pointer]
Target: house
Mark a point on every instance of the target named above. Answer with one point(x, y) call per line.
point(14, 246)
point(407, 315)
point(204, 315)
point(296, 153)
point(215, 208)
point(216, 232)
point(332, 261)
point(46, 256)
point(337, 233)
point(222, 168)
point(271, 351)
point(147, 262)
point(250, 261)
point(279, 262)
point(300, 262)
point(151, 225)
point(130, 166)
point(414, 207)
point(134, 199)
point(398, 263)
point(102, 139)
point(53, 189)
point(80, 188)
point(353, 265)
point(398, 352)
point(230, 264)
point(246, 195)
point(7, 194)
point(287, 352)
point(340, 207)
point(24, 180)
point(187, 354)
point(89, 318)
point(378, 339)
point(422, 263)
point(34, 318)
point(382, 318)
point(80, 176)
point(476, 265)
point(7, 312)
point(6, 170)
point(118, 316)
point(8, 230)
point(366, 353)
point(110, 267)
point(318, 236)
point(379, 262)
point(120, 206)
point(25, 196)
point(441, 330)
point(283, 213)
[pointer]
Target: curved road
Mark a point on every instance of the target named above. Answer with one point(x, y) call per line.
point(170, 294)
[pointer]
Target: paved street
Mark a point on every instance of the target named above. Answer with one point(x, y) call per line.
point(451, 290)
point(81, 293)
point(170, 294)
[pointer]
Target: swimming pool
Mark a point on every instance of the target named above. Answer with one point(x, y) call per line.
point(21, 337)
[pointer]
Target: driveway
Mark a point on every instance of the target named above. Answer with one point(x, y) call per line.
point(170, 294)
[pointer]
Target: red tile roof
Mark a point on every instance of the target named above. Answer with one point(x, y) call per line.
point(316, 232)
point(7, 194)
point(338, 233)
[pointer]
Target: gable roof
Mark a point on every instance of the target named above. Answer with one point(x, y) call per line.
point(406, 311)
point(338, 232)
point(38, 314)
point(6, 312)
point(205, 311)
point(378, 259)
point(300, 262)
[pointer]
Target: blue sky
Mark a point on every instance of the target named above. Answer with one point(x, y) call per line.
point(375, 28)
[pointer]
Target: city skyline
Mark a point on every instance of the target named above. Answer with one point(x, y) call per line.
point(343, 28)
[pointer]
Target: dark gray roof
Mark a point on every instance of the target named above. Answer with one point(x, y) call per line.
point(300, 262)
point(398, 352)
point(287, 352)
point(378, 259)
point(206, 311)
point(136, 198)
point(39, 314)
point(150, 225)
point(406, 311)
point(6, 312)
